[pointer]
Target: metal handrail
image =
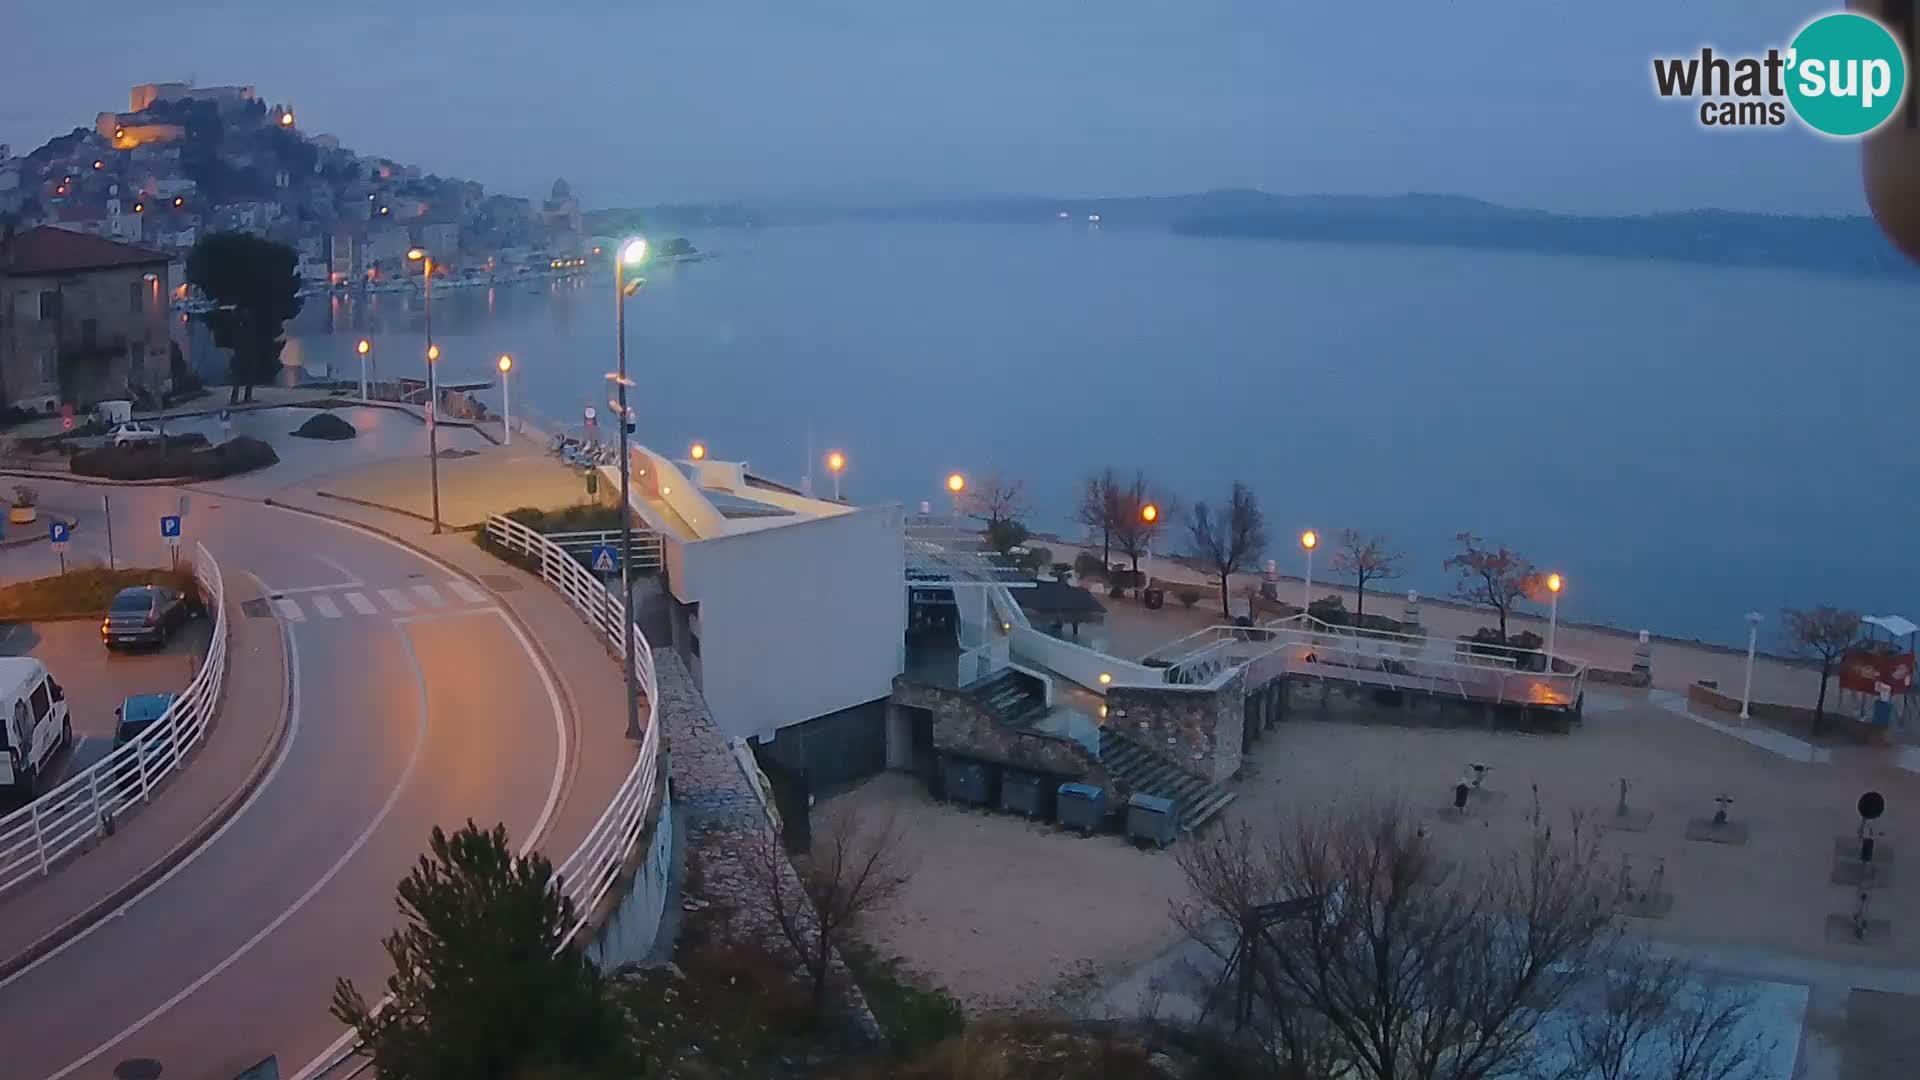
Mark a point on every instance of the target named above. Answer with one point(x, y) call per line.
point(86, 805)
point(590, 873)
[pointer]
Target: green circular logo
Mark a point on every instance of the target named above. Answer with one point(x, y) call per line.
point(1846, 74)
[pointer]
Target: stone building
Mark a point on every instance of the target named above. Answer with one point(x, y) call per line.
point(82, 319)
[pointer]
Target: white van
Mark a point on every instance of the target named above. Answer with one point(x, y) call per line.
point(33, 724)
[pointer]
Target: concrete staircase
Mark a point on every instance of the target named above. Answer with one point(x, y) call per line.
point(1015, 699)
point(1140, 769)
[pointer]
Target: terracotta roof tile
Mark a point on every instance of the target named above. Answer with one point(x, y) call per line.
point(48, 250)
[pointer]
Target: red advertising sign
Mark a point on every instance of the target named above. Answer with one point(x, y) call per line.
point(1865, 672)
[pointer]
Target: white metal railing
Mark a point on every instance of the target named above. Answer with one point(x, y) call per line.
point(86, 805)
point(1079, 663)
point(649, 551)
point(590, 873)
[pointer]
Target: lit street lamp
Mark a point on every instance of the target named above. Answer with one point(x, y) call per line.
point(632, 253)
point(698, 451)
point(1753, 640)
point(506, 398)
point(425, 260)
point(1148, 515)
point(1553, 615)
point(836, 464)
point(364, 349)
point(1308, 540)
point(955, 485)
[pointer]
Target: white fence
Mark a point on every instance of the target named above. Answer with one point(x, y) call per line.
point(84, 807)
point(591, 872)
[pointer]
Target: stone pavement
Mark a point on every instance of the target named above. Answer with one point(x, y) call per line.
point(472, 487)
point(215, 781)
point(587, 678)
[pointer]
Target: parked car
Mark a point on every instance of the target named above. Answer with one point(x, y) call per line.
point(144, 615)
point(137, 714)
point(135, 431)
point(34, 725)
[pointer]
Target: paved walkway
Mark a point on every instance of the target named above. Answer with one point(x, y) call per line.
point(586, 676)
point(193, 803)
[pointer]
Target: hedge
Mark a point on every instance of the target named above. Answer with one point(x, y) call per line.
point(86, 591)
point(137, 462)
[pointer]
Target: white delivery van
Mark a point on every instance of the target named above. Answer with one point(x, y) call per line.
point(33, 724)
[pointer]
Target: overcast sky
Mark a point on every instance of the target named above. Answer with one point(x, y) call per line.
point(1530, 102)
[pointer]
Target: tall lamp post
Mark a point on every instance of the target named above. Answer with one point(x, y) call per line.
point(1308, 540)
point(1553, 615)
point(365, 349)
point(955, 485)
point(632, 252)
point(506, 398)
point(1753, 641)
point(1148, 515)
point(836, 464)
point(425, 260)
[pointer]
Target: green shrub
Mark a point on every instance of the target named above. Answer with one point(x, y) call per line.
point(86, 591)
point(1330, 610)
point(1036, 559)
point(175, 461)
point(1088, 566)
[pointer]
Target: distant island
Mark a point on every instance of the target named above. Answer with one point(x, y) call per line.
point(1842, 245)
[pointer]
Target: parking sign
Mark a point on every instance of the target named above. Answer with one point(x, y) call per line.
point(170, 526)
point(58, 533)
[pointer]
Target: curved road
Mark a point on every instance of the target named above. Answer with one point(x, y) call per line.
point(415, 703)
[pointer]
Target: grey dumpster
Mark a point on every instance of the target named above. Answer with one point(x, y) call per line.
point(1152, 819)
point(1023, 793)
point(1082, 806)
point(965, 781)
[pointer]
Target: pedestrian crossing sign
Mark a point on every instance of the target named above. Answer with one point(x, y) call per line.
point(604, 560)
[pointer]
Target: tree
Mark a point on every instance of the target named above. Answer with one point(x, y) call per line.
point(1358, 950)
point(1363, 558)
point(484, 983)
point(256, 287)
point(852, 871)
point(1097, 510)
point(1005, 535)
point(996, 499)
point(1824, 633)
point(1228, 541)
point(1490, 577)
point(1133, 534)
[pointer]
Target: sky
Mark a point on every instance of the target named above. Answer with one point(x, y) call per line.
point(1543, 103)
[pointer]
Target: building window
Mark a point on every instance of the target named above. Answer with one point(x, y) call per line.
point(49, 305)
point(136, 296)
point(43, 364)
point(136, 359)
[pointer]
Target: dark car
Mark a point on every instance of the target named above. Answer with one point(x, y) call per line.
point(144, 615)
point(137, 714)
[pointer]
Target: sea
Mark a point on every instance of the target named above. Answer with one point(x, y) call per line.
point(1682, 443)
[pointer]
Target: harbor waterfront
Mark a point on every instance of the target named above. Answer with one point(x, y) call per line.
point(1691, 449)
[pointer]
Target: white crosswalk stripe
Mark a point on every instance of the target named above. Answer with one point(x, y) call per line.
point(396, 599)
point(361, 604)
point(467, 592)
point(430, 596)
point(289, 610)
point(324, 604)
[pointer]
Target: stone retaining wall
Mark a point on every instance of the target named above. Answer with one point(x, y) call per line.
point(1200, 731)
point(962, 725)
point(1795, 717)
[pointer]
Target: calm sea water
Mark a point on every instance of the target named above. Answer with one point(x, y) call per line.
point(1685, 444)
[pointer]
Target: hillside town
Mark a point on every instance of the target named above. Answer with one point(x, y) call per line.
point(182, 161)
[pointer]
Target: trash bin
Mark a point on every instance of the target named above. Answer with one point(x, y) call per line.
point(1153, 819)
point(964, 781)
point(1023, 793)
point(1082, 806)
point(1155, 598)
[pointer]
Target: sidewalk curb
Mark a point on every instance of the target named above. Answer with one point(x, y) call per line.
point(100, 909)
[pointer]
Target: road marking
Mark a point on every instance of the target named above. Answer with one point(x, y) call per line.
point(466, 592)
point(429, 594)
point(350, 580)
point(393, 799)
point(289, 610)
point(361, 604)
point(326, 607)
point(396, 599)
point(457, 613)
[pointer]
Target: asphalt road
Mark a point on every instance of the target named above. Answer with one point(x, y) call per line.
point(415, 703)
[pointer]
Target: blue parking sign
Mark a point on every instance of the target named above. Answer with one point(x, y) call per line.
point(170, 526)
point(59, 532)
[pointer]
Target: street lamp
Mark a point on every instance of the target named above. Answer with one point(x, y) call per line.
point(505, 364)
point(1148, 515)
point(955, 485)
point(1753, 640)
point(364, 349)
point(1553, 615)
point(632, 252)
point(698, 451)
point(425, 260)
point(1308, 540)
point(836, 464)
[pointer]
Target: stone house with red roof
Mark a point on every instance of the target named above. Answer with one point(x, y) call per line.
point(82, 319)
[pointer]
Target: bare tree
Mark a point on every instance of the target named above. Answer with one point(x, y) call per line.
point(1097, 510)
point(1364, 558)
point(1490, 577)
point(1824, 633)
point(814, 903)
point(1227, 541)
point(996, 499)
point(1133, 534)
point(1658, 1017)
